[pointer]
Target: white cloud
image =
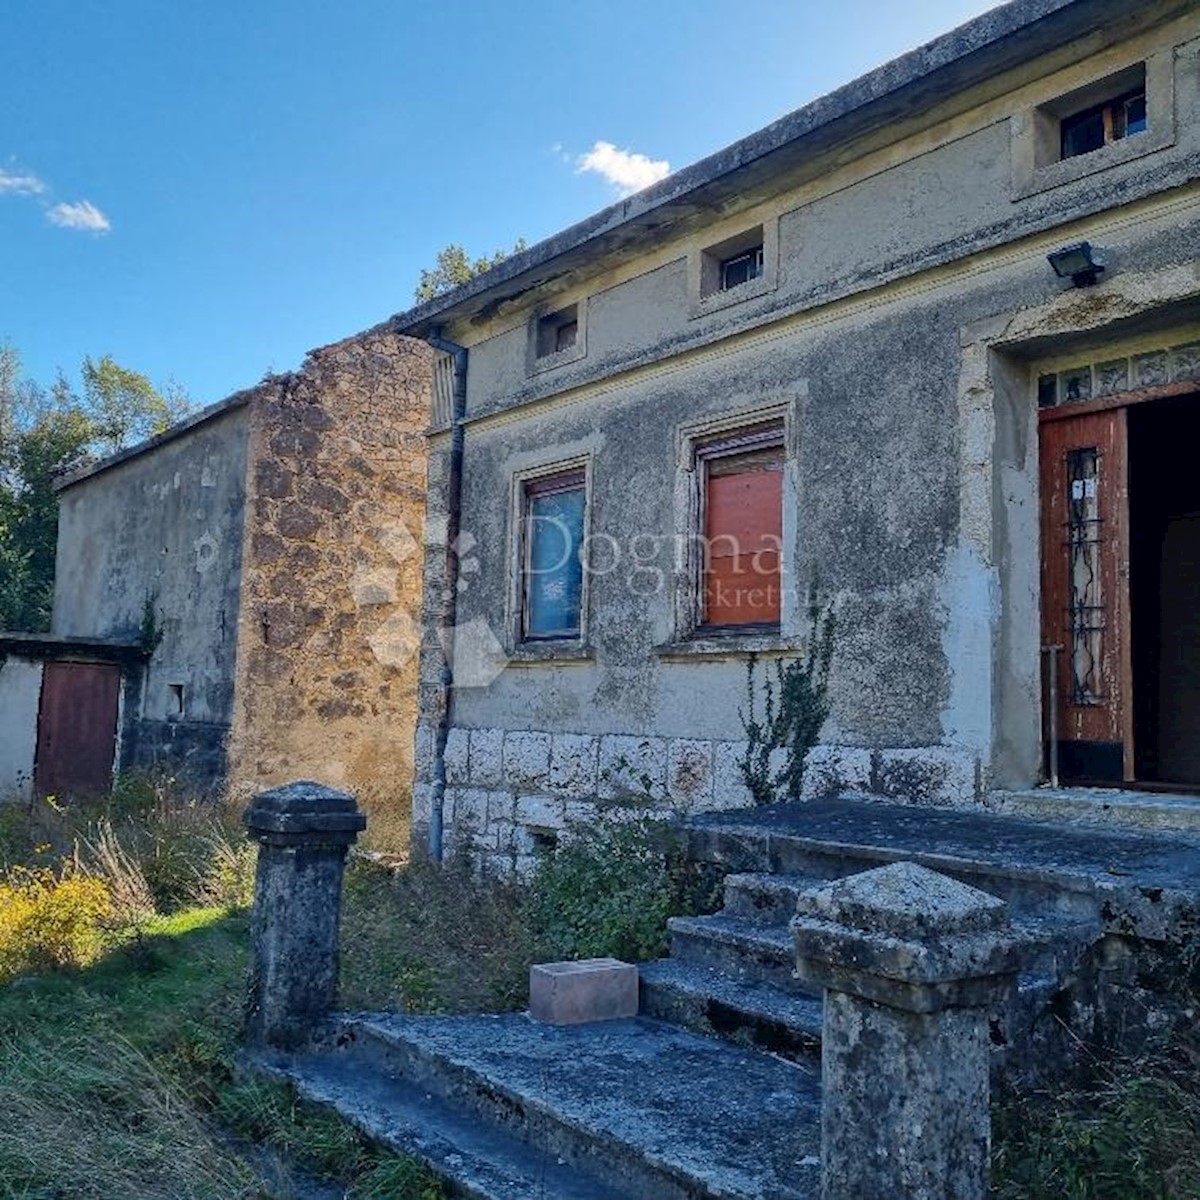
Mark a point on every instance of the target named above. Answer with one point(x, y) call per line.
point(81, 215)
point(20, 183)
point(627, 171)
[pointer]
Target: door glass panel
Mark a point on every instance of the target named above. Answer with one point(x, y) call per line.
point(1086, 615)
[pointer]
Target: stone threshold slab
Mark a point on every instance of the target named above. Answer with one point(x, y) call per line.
point(1156, 812)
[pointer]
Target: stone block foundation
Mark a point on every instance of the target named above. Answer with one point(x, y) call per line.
point(509, 791)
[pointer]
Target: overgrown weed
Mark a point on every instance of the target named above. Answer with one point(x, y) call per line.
point(428, 938)
point(1131, 1131)
point(609, 887)
point(121, 1080)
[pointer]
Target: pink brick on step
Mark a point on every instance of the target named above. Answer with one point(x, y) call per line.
point(595, 989)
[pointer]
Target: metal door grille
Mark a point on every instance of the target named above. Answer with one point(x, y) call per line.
point(1085, 618)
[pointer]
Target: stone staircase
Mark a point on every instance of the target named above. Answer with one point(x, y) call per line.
point(714, 1090)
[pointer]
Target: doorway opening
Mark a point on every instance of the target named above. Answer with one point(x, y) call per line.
point(1164, 583)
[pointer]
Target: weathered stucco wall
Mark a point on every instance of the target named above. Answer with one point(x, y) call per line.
point(20, 690)
point(163, 528)
point(889, 342)
point(328, 629)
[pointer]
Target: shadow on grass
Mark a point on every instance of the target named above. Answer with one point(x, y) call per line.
point(119, 1080)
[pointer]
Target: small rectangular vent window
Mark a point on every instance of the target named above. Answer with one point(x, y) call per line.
point(741, 268)
point(1104, 124)
point(733, 263)
point(558, 331)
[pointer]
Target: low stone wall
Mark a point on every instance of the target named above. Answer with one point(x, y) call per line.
point(193, 752)
point(509, 789)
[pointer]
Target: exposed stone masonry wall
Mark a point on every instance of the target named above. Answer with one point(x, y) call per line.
point(328, 635)
point(506, 788)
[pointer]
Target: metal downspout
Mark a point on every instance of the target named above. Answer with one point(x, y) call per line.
point(449, 610)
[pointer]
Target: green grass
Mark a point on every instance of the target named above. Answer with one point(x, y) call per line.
point(119, 1080)
point(1132, 1134)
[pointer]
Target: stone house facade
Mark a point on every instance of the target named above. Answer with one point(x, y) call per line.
point(839, 343)
point(260, 563)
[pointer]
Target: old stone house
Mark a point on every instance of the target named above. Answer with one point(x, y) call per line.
point(933, 341)
point(237, 599)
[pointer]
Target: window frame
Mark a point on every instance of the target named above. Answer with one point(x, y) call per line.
point(542, 480)
point(685, 641)
point(1107, 110)
point(754, 253)
point(738, 443)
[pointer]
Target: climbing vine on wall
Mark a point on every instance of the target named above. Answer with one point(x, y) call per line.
point(792, 710)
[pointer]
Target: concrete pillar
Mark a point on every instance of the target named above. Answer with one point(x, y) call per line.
point(303, 831)
point(913, 964)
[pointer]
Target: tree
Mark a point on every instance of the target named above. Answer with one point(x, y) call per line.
point(29, 513)
point(454, 268)
point(124, 405)
point(42, 433)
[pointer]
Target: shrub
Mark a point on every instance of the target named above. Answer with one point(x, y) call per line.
point(428, 938)
point(162, 851)
point(154, 850)
point(1133, 1136)
point(1127, 1126)
point(132, 899)
point(609, 887)
point(50, 920)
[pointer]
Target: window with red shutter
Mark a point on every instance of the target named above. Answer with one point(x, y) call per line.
point(742, 527)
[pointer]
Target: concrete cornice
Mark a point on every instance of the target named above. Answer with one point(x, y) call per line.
point(987, 46)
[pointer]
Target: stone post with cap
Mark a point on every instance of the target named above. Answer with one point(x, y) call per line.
point(303, 831)
point(913, 964)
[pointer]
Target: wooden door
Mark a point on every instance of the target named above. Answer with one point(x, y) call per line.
point(1085, 589)
point(77, 728)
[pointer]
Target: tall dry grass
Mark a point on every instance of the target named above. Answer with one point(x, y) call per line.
point(131, 1130)
point(75, 876)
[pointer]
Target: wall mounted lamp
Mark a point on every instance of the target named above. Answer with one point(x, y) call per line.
point(1078, 263)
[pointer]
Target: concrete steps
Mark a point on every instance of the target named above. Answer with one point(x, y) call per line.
point(758, 855)
point(743, 950)
point(504, 1107)
point(731, 974)
point(480, 1160)
point(765, 899)
point(714, 1091)
point(755, 1015)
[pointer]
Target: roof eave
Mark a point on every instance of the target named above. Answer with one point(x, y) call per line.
point(988, 45)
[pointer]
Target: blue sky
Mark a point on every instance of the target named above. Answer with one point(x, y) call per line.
point(208, 190)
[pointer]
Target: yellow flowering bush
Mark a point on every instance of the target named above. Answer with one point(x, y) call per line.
point(50, 919)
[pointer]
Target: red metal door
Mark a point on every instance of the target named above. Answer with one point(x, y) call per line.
point(77, 728)
point(1085, 589)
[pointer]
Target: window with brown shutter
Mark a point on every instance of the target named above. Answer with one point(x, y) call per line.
point(741, 479)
